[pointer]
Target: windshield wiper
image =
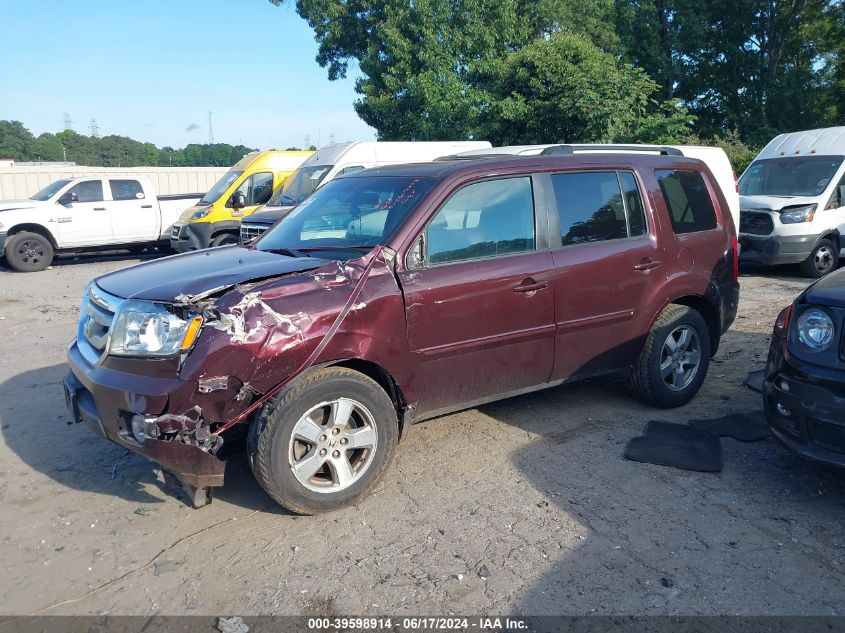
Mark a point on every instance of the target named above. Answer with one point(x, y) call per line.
point(290, 252)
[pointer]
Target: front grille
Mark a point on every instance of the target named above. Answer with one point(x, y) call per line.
point(828, 436)
point(174, 232)
point(95, 321)
point(756, 222)
point(251, 231)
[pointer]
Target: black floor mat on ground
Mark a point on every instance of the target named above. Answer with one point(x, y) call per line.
point(755, 380)
point(739, 426)
point(678, 446)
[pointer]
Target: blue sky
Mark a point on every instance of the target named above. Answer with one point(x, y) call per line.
point(152, 69)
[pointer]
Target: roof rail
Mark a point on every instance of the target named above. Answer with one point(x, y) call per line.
point(566, 150)
point(451, 157)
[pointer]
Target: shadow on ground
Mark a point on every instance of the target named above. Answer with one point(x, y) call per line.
point(35, 426)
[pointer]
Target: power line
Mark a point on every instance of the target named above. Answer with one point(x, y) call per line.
point(95, 129)
point(307, 141)
point(68, 122)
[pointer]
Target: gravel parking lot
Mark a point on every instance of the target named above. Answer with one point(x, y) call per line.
point(524, 506)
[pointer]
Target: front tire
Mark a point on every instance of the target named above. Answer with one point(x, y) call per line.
point(674, 361)
point(224, 239)
point(823, 260)
point(325, 442)
point(28, 252)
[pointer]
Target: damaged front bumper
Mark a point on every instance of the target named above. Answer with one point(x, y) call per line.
point(805, 406)
point(108, 401)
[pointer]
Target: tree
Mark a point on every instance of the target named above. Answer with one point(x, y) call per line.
point(15, 141)
point(438, 69)
point(564, 89)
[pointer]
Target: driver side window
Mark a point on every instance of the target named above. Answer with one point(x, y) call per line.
point(837, 198)
point(485, 219)
point(88, 191)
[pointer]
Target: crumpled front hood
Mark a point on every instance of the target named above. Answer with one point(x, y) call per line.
point(828, 291)
point(12, 205)
point(199, 272)
point(773, 203)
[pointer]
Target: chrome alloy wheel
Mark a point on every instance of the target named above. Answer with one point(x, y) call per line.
point(680, 358)
point(332, 445)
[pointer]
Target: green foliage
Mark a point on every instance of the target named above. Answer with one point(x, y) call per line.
point(497, 69)
point(434, 68)
point(739, 153)
point(564, 89)
point(109, 151)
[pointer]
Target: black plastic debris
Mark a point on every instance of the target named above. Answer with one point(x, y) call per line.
point(755, 380)
point(678, 446)
point(739, 426)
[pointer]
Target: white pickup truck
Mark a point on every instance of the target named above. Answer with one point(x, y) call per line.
point(80, 214)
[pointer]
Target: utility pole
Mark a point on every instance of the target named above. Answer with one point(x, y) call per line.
point(307, 141)
point(210, 130)
point(95, 130)
point(68, 122)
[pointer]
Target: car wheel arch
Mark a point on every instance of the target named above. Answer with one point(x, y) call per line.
point(705, 308)
point(33, 228)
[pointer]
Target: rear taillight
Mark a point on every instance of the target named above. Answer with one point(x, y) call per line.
point(736, 182)
point(736, 258)
point(782, 322)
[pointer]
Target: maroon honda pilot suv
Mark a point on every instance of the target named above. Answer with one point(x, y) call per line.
point(397, 294)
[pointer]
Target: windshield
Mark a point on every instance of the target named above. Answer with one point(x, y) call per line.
point(49, 191)
point(299, 185)
point(220, 187)
point(788, 177)
point(347, 213)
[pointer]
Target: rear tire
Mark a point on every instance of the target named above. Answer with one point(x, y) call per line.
point(674, 360)
point(224, 239)
point(325, 442)
point(823, 260)
point(28, 252)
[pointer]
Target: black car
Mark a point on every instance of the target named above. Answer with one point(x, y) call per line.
point(804, 384)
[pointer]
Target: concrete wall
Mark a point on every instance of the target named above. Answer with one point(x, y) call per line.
point(19, 182)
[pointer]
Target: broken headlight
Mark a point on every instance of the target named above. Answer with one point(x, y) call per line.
point(142, 328)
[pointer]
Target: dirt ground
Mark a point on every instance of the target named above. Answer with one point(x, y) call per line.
point(524, 506)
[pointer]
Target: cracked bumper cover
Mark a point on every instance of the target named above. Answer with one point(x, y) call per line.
point(192, 237)
point(772, 250)
point(101, 398)
point(815, 400)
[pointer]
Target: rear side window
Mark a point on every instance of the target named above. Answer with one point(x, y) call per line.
point(484, 219)
point(126, 190)
point(598, 206)
point(690, 207)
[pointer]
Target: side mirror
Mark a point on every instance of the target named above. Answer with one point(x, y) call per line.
point(238, 200)
point(69, 198)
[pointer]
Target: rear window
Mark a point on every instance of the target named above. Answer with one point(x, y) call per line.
point(126, 190)
point(690, 206)
point(598, 206)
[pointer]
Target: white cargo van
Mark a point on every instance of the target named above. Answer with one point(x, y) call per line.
point(342, 158)
point(714, 157)
point(792, 200)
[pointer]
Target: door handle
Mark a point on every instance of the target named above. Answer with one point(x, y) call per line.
point(529, 285)
point(99, 208)
point(646, 265)
point(146, 206)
